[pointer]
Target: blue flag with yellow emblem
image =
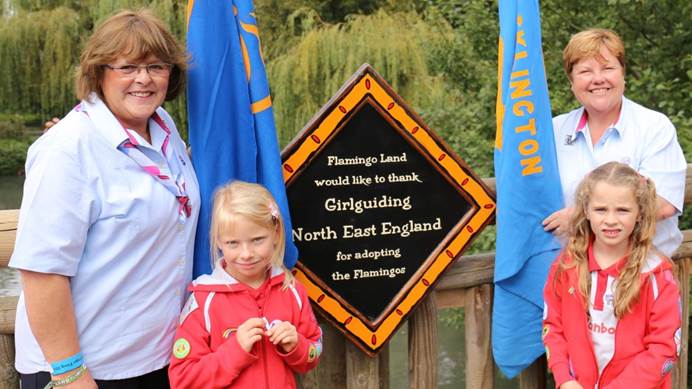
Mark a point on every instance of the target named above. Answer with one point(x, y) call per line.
point(231, 122)
point(528, 188)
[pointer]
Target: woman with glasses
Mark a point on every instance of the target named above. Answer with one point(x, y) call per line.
point(107, 223)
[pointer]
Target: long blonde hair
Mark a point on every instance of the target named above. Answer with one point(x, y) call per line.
point(254, 203)
point(644, 191)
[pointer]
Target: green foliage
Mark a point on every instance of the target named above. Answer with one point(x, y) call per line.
point(40, 46)
point(12, 155)
point(12, 127)
point(38, 51)
point(440, 55)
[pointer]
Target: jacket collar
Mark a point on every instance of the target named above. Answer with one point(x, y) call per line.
point(220, 281)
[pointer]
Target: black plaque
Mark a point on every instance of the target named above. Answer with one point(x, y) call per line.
point(379, 206)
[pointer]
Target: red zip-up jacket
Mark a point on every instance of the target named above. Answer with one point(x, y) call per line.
point(206, 353)
point(647, 339)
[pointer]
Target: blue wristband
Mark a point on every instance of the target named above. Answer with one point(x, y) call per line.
point(67, 364)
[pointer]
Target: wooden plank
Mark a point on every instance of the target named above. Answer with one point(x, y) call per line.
point(450, 298)
point(330, 372)
point(534, 376)
point(468, 271)
point(688, 184)
point(383, 357)
point(8, 376)
point(362, 372)
point(680, 370)
point(8, 233)
point(8, 310)
point(477, 318)
point(422, 345)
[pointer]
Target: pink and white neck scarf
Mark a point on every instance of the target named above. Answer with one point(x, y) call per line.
point(166, 168)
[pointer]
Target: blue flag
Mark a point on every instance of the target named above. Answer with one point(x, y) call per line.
point(528, 188)
point(231, 121)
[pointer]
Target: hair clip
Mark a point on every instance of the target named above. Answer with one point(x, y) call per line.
point(274, 210)
point(643, 179)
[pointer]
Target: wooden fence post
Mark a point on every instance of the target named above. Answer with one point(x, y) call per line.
point(480, 368)
point(8, 376)
point(422, 345)
point(330, 372)
point(534, 376)
point(680, 370)
point(362, 372)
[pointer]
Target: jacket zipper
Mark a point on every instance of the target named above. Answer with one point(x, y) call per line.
point(615, 344)
point(264, 352)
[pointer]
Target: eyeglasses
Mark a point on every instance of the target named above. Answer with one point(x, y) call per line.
point(160, 69)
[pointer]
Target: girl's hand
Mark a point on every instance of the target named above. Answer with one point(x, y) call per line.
point(558, 222)
point(249, 333)
point(571, 385)
point(284, 335)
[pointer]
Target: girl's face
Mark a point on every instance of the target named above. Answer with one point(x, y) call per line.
point(248, 249)
point(612, 213)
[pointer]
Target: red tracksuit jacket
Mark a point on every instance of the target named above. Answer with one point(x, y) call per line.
point(206, 353)
point(647, 339)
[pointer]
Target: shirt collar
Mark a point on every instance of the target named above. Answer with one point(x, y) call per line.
point(584, 117)
point(612, 270)
point(107, 124)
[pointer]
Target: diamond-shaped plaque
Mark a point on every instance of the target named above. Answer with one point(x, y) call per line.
point(380, 207)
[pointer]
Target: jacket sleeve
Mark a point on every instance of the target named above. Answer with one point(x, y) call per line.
point(650, 367)
point(553, 335)
point(193, 363)
point(306, 354)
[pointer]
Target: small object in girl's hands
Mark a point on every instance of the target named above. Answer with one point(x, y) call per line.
point(269, 325)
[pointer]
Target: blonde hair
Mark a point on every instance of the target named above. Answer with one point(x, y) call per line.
point(133, 34)
point(588, 44)
point(644, 191)
point(254, 203)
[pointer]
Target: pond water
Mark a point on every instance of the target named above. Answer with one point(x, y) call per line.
point(451, 372)
point(11, 191)
point(10, 198)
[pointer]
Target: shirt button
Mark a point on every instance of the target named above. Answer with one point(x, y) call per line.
point(177, 293)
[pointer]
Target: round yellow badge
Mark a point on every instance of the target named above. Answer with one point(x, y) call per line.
point(312, 353)
point(181, 348)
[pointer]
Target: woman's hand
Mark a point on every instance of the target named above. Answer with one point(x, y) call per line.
point(284, 335)
point(250, 333)
point(571, 385)
point(558, 222)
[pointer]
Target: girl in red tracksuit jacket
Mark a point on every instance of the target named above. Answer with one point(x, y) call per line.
point(249, 324)
point(612, 306)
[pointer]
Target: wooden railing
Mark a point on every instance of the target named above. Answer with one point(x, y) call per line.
point(467, 284)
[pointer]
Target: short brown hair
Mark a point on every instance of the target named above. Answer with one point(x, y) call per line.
point(135, 34)
point(588, 43)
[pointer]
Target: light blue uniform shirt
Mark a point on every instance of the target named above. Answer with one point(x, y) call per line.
point(91, 213)
point(643, 139)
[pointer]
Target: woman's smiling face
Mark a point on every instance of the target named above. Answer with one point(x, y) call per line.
point(599, 83)
point(133, 98)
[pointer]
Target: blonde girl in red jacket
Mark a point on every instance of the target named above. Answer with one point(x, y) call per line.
point(248, 324)
point(612, 306)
